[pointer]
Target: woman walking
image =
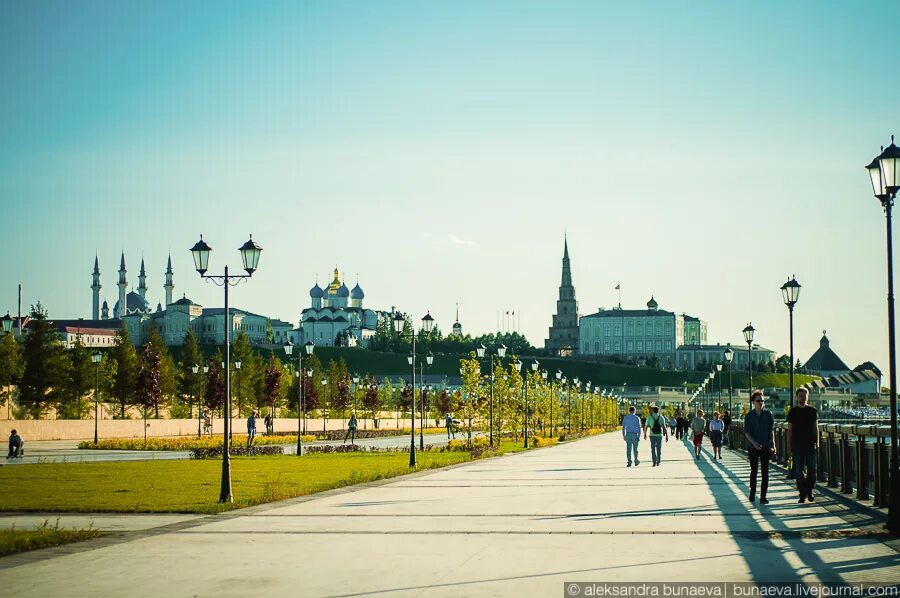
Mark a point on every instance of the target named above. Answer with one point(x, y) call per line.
point(698, 424)
point(716, 432)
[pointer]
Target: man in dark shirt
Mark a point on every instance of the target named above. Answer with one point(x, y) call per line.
point(759, 430)
point(803, 438)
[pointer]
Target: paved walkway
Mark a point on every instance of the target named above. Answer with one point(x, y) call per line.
point(67, 451)
point(519, 525)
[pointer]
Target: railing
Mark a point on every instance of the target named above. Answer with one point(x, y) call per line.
point(850, 457)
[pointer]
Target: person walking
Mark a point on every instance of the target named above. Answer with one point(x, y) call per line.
point(631, 434)
point(716, 433)
point(656, 424)
point(698, 425)
point(679, 425)
point(16, 445)
point(671, 423)
point(802, 441)
point(251, 429)
point(270, 428)
point(448, 421)
point(759, 431)
point(351, 429)
point(726, 433)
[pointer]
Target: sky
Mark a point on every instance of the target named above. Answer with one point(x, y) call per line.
point(700, 152)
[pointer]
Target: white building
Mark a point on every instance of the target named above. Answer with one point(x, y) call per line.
point(692, 357)
point(337, 316)
point(632, 334)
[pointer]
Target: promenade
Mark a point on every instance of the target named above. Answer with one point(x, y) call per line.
point(519, 525)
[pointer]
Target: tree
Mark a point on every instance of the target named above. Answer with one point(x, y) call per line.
point(126, 371)
point(272, 392)
point(43, 355)
point(148, 387)
point(12, 365)
point(214, 393)
point(77, 383)
point(189, 383)
point(783, 364)
point(167, 378)
point(242, 391)
point(371, 400)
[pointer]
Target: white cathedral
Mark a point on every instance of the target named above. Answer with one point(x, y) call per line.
point(337, 316)
point(172, 322)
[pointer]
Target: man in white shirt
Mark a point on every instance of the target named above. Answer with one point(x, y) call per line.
point(631, 434)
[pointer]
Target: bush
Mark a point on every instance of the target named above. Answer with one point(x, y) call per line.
point(338, 448)
point(184, 443)
point(540, 441)
point(237, 451)
point(308, 438)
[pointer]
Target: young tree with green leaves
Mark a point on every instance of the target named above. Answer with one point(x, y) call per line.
point(371, 399)
point(148, 387)
point(273, 381)
point(214, 391)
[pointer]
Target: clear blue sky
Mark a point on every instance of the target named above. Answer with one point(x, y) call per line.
point(701, 152)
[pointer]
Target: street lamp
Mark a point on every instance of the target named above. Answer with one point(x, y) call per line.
point(324, 404)
point(501, 353)
point(250, 253)
point(729, 355)
point(577, 385)
point(7, 322)
point(884, 172)
point(719, 371)
point(96, 357)
point(429, 359)
point(790, 291)
point(554, 399)
point(749, 333)
point(309, 347)
point(196, 370)
point(427, 323)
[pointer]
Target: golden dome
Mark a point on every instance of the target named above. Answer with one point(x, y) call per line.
point(335, 284)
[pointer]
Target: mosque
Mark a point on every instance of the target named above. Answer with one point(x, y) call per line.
point(133, 309)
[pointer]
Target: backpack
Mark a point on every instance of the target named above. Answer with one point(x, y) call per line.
point(656, 429)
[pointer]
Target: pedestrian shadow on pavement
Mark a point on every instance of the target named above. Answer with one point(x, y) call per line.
point(766, 555)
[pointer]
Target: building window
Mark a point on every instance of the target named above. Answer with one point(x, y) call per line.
point(606, 346)
point(618, 348)
point(640, 346)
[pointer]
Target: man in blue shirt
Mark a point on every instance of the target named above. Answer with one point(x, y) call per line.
point(631, 434)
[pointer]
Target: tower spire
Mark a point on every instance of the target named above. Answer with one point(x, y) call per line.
point(95, 290)
point(123, 287)
point(170, 284)
point(142, 281)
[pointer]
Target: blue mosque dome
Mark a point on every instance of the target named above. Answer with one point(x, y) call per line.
point(316, 292)
point(343, 291)
point(134, 303)
point(357, 293)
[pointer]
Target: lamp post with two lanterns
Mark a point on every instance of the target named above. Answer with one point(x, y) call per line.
point(429, 359)
point(501, 353)
point(308, 347)
point(729, 355)
point(884, 172)
point(427, 324)
point(250, 253)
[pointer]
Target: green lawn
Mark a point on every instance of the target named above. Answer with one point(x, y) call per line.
point(193, 486)
point(16, 540)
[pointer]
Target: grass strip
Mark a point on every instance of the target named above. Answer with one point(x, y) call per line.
point(13, 540)
point(193, 486)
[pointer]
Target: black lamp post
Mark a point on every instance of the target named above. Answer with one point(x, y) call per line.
point(429, 359)
point(749, 333)
point(309, 347)
point(501, 352)
point(250, 253)
point(719, 373)
point(790, 292)
point(884, 172)
point(553, 399)
point(427, 323)
point(544, 375)
point(95, 358)
point(729, 355)
point(196, 370)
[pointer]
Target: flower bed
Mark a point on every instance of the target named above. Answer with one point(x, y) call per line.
point(182, 444)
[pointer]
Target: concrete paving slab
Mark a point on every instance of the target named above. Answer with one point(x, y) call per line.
point(520, 525)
